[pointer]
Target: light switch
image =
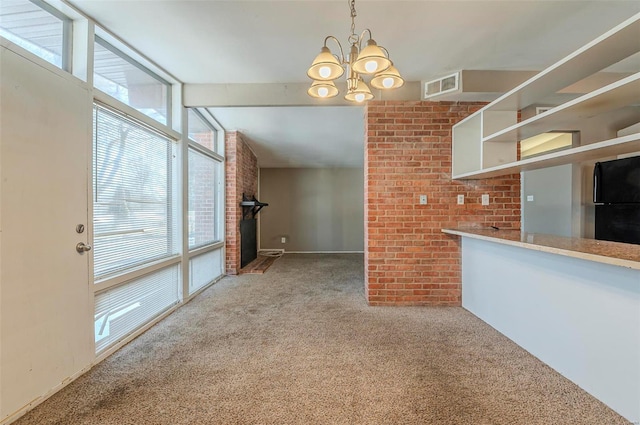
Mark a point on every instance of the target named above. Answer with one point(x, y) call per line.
point(423, 199)
point(460, 199)
point(283, 239)
point(529, 198)
point(485, 199)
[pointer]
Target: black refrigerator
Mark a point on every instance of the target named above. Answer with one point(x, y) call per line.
point(616, 193)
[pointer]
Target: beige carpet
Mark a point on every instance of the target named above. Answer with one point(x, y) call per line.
point(299, 345)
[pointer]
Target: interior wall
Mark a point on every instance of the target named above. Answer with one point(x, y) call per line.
point(408, 260)
point(547, 201)
point(314, 209)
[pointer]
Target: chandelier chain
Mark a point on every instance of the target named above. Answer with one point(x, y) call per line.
point(353, 37)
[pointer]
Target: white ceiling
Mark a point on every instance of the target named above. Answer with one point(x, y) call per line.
point(329, 136)
point(237, 42)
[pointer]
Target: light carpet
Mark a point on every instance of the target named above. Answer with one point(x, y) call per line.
point(299, 345)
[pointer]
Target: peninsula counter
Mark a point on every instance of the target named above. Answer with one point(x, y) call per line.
point(574, 303)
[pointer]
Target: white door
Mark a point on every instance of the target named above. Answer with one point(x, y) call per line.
point(46, 331)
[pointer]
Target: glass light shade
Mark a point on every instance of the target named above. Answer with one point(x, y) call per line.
point(360, 93)
point(371, 59)
point(325, 67)
point(323, 89)
point(389, 79)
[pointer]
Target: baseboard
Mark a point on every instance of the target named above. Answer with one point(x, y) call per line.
point(323, 252)
point(41, 399)
point(271, 250)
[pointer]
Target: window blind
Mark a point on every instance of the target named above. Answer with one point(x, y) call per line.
point(121, 310)
point(204, 269)
point(134, 192)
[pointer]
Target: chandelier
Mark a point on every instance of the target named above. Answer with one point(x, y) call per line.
point(373, 60)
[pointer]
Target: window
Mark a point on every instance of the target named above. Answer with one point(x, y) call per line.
point(135, 194)
point(121, 310)
point(200, 130)
point(123, 78)
point(38, 28)
point(203, 187)
point(205, 183)
point(204, 268)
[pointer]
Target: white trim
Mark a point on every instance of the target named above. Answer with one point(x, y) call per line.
point(209, 117)
point(204, 249)
point(64, 7)
point(319, 252)
point(82, 50)
point(111, 281)
point(204, 151)
point(201, 289)
point(272, 250)
point(121, 45)
point(126, 110)
point(184, 189)
point(42, 398)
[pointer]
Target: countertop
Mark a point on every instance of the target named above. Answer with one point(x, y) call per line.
point(618, 254)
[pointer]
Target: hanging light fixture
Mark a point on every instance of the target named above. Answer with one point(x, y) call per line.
point(372, 60)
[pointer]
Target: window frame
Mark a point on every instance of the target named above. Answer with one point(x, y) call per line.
point(218, 237)
point(219, 210)
point(206, 122)
point(98, 39)
point(67, 36)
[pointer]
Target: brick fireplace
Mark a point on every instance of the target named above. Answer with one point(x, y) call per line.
point(241, 169)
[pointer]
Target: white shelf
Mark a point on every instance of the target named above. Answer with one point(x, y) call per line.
point(610, 48)
point(485, 144)
point(617, 146)
point(609, 98)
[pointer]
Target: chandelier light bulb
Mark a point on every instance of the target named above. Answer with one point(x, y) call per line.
point(359, 97)
point(387, 82)
point(323, 89)
point(371, 66)
point(324, 71)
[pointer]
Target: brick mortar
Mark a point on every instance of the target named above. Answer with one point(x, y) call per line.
point(241, 176)
point(408, 260)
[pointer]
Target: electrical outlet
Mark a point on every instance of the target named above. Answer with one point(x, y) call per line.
point(460, 199)
point(529, 198)
point(485, 199)
point(423, 199)
point(283, 240)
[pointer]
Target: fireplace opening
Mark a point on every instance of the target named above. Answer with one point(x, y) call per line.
point(248, 237)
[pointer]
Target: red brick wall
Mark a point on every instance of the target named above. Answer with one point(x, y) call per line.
point(241, 171)
point(408, 260)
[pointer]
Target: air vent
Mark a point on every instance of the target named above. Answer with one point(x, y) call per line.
point(440, 86)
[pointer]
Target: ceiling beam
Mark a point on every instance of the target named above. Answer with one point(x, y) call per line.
point(475, 85)
point(286, 94)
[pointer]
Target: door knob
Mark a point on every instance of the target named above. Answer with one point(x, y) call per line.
point(81, 248)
